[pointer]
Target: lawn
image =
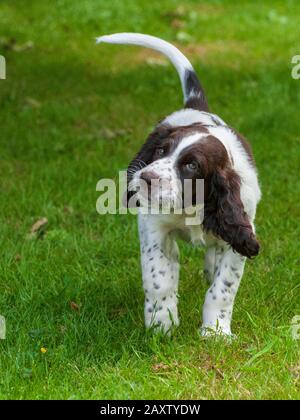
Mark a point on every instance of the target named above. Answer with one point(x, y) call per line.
point(73, 113)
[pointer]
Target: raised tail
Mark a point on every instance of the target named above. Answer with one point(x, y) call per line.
point(194, 96)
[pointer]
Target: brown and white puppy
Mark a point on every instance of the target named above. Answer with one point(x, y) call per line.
point(192, 144)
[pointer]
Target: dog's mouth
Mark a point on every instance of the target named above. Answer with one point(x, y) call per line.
point(153, 199)
point(140, 199)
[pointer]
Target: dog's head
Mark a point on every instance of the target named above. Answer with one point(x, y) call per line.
point(172, 155)
point(181, 149)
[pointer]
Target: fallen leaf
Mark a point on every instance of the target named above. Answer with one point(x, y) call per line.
point(74, 306)
point(38, 225)
point(37, 230)
point(160, 367)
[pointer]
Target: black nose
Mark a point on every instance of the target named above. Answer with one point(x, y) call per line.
point(148, 176)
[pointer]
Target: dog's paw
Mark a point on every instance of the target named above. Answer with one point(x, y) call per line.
point(209, 332)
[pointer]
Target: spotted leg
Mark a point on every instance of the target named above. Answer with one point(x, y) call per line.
point(219, 299)
point(209, 264)
point(213, 257)
point(160, 270)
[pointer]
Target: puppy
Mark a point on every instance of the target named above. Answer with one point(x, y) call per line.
point(191, 145)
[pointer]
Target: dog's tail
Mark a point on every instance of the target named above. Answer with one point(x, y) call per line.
point(194, 96)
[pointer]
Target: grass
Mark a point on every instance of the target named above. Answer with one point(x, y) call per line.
point(72, 113)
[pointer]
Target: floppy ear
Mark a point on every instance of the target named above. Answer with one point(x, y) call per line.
point(224, 213)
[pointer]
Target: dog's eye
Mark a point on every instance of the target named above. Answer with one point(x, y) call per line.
point(159, 152)
point(192, 166)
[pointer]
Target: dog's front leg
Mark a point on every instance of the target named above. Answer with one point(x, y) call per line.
point(160, 270)
point(219, 300)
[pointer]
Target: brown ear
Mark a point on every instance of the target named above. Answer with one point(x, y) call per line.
point(224, 213)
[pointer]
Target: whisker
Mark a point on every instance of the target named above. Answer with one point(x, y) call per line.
point(134, 167)
point(141, 162)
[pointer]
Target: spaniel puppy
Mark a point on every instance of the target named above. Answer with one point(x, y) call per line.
point(192, 144)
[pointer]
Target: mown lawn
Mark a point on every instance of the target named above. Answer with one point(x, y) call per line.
point(72, 113)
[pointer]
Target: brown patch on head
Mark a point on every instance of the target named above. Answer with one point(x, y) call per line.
point(165, 136)
point(206, 156)
point(209, 153)
point(176, 134)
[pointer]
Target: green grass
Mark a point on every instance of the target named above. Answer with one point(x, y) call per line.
point(53, 150)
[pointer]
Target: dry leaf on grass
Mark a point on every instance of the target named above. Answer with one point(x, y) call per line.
point(74, 306)
point(38, 225)
point(158, 367)
point(38, 229)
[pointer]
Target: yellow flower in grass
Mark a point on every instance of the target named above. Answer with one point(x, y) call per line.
point(43, 350)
